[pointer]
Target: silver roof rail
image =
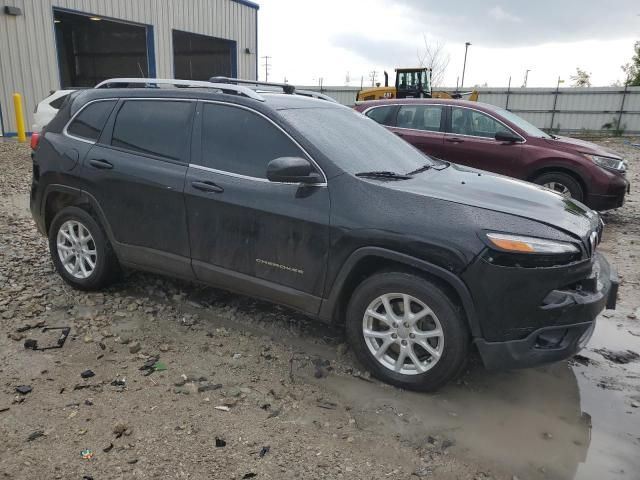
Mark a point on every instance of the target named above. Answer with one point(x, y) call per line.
point(318, 95)
point(155, 82)
point(286, 87)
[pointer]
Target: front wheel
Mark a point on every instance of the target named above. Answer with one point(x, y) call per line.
point(561, 183)
point(407, 331)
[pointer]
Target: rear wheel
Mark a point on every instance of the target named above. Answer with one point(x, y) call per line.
point(80, 250)
point(407, 331)
point(561, 183)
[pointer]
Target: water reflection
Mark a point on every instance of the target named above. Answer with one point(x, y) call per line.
point(528, 422)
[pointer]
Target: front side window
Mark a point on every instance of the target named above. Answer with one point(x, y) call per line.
point(382, 115)
point(465, 121)
point(420, 117)
point(88, 124)
point(236, 140)
point(154, 127)
point(352, 142)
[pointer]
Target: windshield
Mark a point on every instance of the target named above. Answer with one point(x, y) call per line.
point(354, 142)
point(521, 123)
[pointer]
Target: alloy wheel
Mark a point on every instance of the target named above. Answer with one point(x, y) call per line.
point(76, 249)
point(558, 187)
point(403, 334)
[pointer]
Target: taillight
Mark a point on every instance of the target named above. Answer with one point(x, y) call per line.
point(35, 138)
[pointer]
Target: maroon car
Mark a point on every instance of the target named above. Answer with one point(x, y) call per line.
point(491, 138)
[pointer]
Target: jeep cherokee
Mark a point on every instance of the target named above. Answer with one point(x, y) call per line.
point(309, 204)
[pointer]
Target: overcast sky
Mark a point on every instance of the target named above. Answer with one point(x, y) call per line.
point(332, 39)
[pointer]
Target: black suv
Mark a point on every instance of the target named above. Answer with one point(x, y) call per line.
point(307, 203)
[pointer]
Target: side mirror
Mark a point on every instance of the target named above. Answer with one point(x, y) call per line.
point(509, 137)
point(292, 170)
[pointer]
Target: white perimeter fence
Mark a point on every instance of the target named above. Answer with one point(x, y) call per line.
point(594, 110)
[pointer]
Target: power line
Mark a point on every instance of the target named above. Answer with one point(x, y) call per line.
point(266, 66)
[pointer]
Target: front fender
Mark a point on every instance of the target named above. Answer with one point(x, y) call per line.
point(328, 309)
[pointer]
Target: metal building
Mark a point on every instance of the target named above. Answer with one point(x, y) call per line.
point(51, 44)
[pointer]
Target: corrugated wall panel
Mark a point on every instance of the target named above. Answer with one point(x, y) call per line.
point(28, 57)
point(577, 109)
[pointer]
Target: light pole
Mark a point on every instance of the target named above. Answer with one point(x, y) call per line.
point(526, 77)
point(464, 66)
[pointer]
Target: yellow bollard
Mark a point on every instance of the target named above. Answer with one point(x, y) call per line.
point(17, 103)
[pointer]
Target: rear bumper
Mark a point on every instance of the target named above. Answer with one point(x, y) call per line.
point(575, 310)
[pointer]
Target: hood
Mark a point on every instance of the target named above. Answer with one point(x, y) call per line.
point(582, 146)
point(502, 194)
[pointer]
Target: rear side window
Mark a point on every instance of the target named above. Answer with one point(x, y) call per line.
point(238, 141)
point(57, 103)
point(90, 121)
point(154, 127)
point(382, 115)
point(420, 117)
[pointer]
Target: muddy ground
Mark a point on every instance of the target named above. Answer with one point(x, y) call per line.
point(252, 390)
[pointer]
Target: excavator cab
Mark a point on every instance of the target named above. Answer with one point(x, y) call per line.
point(413, 83)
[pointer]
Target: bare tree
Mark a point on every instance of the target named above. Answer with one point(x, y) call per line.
point(582, 78)
point(434, 56)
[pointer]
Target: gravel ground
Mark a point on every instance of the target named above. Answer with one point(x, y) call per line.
point(245, 389)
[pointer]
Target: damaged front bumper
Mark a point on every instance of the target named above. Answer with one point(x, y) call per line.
point(573, 313)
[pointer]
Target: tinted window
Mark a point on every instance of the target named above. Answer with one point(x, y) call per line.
point(471, 122)
point(420, 117)
point(382, 115)
point(154, 127)
point(57, 103)
point(239, 141)
point(520, 123)
point(90, 121)
point(352, 142)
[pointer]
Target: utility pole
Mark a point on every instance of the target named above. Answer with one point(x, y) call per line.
point(372, 77)
point(555, 103)
point(266, 59)
point(464, 65)
point(526, 77)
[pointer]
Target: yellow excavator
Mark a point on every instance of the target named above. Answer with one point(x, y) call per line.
point(410, 83)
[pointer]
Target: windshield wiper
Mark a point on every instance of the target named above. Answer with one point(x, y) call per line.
point(428, 166)
point(384, 174)
point(423, 168)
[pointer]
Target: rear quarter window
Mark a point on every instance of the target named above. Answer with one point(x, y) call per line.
point(88, 124)
point(57, 103)
point(382, 115)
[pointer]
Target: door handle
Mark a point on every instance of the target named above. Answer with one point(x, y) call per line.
point(454, 140)
point(207, 187)
point(99, 163)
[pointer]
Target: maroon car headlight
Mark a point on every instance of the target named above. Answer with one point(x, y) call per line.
point(609, 163)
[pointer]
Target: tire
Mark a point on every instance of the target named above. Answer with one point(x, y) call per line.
point(452, 345)
point(80, 274)
point(561, 183)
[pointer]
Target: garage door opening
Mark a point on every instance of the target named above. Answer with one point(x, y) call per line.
point(200, 57)
point(92, 49)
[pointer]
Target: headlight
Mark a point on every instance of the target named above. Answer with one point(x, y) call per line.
point(608, 162)
point(521, 244)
